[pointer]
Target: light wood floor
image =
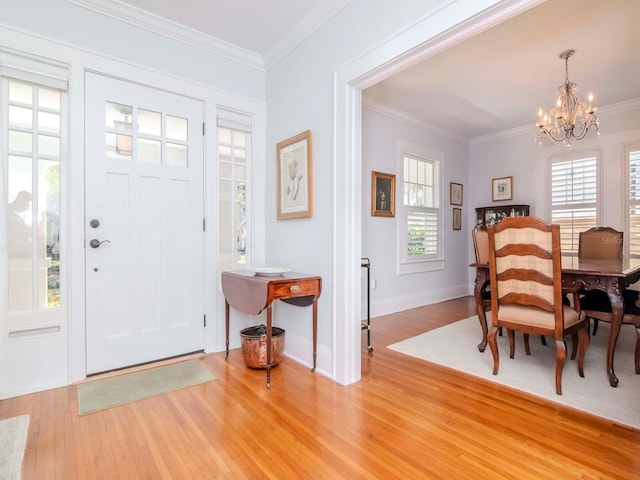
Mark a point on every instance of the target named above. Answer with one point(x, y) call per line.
point(405, 419)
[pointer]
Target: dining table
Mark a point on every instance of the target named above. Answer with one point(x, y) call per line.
point(609, 276)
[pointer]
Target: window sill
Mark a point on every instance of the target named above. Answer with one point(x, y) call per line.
point(420, 266)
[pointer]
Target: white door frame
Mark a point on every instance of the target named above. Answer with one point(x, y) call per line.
point(426, 38)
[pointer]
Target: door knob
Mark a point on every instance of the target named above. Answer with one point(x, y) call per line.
point(95, 243)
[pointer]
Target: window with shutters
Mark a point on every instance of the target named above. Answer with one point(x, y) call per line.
point(574, 197)
point(420, 215)
point(632, 154)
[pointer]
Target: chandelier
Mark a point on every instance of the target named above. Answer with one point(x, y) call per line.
point(570, 118)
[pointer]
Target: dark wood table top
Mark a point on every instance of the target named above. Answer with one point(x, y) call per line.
point(571, 264)
point(251, 293)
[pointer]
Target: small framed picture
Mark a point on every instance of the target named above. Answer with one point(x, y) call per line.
point(295, 177)
point(457, 219)
point(383, 194)
point(455, 193)
point(502, 189)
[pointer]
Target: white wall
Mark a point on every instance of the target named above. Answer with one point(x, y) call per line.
point(105, 36)
point(84, 40)
point(394, 292)
point(316, 87)
point(516, 154)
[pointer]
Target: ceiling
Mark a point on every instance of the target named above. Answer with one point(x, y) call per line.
point(493, 82)
point(260, 26)
point(497, 80)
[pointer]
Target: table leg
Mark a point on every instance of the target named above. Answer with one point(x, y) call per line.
point(226, 325)
point(481, 279)
point(617, 311)
point(315, 331)
point(269, 312)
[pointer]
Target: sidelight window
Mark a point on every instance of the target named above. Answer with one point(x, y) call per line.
point(33, 153)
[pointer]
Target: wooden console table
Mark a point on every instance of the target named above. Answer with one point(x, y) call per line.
point(251, 294)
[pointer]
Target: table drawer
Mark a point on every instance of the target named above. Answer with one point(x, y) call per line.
point(299, 288)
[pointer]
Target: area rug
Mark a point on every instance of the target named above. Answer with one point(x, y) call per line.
point(455, 346)
point(110, 392)
point(13, 441)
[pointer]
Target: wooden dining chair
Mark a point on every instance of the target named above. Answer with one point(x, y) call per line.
point(525, 274)
point(480, 237)
point(601, 243)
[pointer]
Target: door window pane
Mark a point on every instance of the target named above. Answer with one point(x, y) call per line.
point(49, 122)
point(118, 146)
point(20, 93)
point(177, 128)
point(20, 234)
point(149, 123)
point(224, 153)
point(48, 145)
point(49, 98)
point(48, 217)
point(20, 117)
point(20, 141)
point(118, 116)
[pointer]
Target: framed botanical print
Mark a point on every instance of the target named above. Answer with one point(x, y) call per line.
point(457, 219)
point(295, 177)
point(455, 193)
point(502, 189)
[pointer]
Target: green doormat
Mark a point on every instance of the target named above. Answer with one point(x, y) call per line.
point(101, 394)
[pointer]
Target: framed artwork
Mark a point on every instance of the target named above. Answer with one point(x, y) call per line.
point(455, 193)
point(295, 177)
point(457, 219)
point(502, 189)
point(383, 194)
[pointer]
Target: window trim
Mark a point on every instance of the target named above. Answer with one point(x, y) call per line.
point(627, 148)
point(50, 77)
point(423, 264)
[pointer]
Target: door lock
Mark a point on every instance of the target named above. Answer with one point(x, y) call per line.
point(95, 243)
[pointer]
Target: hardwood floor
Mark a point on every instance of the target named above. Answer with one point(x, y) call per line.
point(405, 419)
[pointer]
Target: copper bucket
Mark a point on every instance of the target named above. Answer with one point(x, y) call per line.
point(254, 346)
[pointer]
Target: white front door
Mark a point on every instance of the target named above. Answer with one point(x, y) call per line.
point(144, 224)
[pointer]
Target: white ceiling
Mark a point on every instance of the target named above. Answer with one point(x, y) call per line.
point(265, 27)
point(490, 83)
point(498, 79)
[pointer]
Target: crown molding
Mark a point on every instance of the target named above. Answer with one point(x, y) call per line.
point(411, 120)
point(607, 110)
point(324, 12)
point(167, 28)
